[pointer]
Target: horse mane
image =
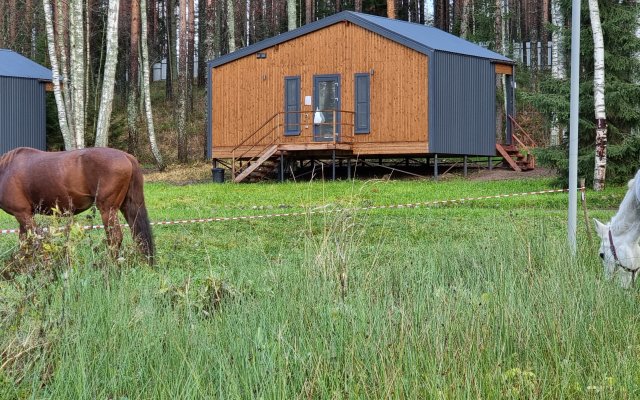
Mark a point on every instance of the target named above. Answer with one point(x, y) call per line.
point(8, 157)
point(628, 213)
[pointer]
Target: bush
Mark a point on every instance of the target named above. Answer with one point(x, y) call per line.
point(623, 160)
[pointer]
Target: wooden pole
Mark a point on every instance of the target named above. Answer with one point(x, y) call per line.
point(583, 200)
point(465, 166)
point(435, 167)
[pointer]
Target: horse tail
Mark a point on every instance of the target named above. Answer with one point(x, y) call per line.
point(135, 212)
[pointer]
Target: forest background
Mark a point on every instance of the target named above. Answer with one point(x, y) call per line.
point(108, 51)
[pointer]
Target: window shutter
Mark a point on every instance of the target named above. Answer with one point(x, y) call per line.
point(292, 105)
point(363, 104)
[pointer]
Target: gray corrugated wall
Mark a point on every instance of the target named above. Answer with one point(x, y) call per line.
point(22, 114)
point(463, 111)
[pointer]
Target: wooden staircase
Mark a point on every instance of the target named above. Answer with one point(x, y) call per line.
point(259, 168)
point(518, 156)
point(515, 158)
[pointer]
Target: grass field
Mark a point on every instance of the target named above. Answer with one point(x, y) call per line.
point(474, 300)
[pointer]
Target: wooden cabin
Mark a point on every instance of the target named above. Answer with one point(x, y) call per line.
point(354, 86)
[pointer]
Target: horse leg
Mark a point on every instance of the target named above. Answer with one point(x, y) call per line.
point(27, 223)
point(112, 229)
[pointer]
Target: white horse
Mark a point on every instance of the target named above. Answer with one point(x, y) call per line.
point(619, 248)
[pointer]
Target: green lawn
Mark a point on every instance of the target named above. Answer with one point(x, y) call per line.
point(473, 300)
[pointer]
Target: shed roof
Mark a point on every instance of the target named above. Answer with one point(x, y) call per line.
point(15, 65)
point(422, 38)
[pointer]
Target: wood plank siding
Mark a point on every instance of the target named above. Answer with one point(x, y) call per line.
point(248, 91)
point(506, 69)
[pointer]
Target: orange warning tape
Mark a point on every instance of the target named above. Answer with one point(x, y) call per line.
point(311, 212)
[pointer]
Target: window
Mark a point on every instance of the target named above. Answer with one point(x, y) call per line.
point(363, 104)
point(292, 105)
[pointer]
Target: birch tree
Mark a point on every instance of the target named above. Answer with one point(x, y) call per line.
point(231, 25)
point(111, 60)
point(55, 69)
point(558, 70)
point(70, 97)
point(145, 87)
point(464, 19)
point(291, 15)
point(599, 97)
point(77, 70)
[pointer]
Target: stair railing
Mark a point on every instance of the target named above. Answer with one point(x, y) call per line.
point(254, 144)
point(274, 133)
point(526, 137)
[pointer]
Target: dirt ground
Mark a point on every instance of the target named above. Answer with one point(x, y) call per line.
point(502, 173)
point(201, 172)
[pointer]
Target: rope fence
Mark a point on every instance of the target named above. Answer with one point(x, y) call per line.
point(325, 209)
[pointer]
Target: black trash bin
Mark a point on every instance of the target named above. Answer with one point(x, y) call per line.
point(218, 175)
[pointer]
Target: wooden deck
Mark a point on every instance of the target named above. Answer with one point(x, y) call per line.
point(324, 148)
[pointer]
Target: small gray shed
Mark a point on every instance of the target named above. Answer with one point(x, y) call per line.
point(23, 86)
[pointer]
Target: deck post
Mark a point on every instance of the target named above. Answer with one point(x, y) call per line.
point(490, 163)
point(465, 166)
point(335, 132)
point(281, 167)
point(435, 167)
point(348, 168)
point(333, 165)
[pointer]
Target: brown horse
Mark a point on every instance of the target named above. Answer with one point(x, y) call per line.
point(34, 181)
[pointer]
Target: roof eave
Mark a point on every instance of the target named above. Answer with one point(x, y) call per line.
point(345, 16)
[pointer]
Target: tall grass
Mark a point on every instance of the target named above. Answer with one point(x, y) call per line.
point(442, 302)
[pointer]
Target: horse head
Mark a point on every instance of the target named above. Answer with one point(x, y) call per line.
point(620, 254)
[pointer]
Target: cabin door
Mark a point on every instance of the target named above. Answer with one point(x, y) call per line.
point(326, 108)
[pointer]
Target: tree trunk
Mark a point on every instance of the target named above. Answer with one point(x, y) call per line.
point(28, 15)
point(3, 25)
point(191, 55)
point(182, 84)
point(77, 68)
point(12, 23)
point(134, 79)
point(557, 63)
point(204, 41)
point(110, 63)
point(57, 92)
point(292, 13)
point(171, 34)
point(145, 87)
point(500, 87)
point(231, 25)
point(464, 19)
point(391, 9)
point(358, 5)
point(217, 28)
point(61, 35)
point(88, 76)
point(600, 170)
point(308, 11)
point(441, 14)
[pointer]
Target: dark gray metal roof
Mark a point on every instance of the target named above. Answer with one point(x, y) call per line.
point(424, 39)
point(14, 65)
